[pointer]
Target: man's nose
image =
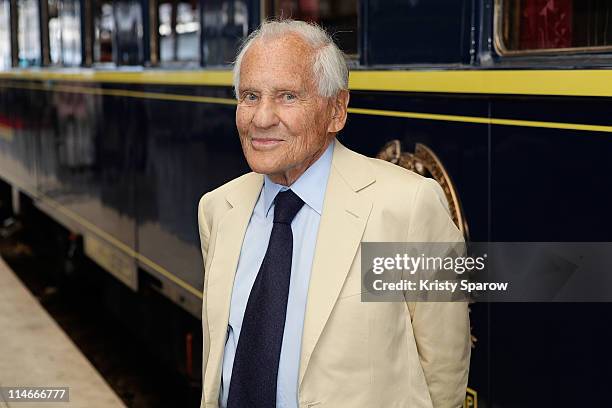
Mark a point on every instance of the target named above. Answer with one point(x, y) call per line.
point(266, 115)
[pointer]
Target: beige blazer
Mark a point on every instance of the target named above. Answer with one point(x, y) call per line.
point(354, 354)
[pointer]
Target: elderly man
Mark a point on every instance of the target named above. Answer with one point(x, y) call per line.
point(283, 321)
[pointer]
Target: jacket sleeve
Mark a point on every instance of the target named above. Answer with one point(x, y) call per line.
point(441, 329)
point(204, 230)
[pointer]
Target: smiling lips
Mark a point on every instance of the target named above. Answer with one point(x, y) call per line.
point(263, 143)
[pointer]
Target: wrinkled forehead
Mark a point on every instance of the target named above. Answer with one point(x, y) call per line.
point(286, 59)
point(289, 40)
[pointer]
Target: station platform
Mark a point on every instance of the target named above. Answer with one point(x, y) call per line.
point(35, 352)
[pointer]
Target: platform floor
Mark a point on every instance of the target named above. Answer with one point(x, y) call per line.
point(35, 352)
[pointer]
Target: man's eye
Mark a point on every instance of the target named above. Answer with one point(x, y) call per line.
point(250, 97)
point(289, 97)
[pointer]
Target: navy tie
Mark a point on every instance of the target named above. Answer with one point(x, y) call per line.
point(255, 369)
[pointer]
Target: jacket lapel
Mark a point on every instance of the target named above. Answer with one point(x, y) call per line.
point(230, 234)
point(343, 220)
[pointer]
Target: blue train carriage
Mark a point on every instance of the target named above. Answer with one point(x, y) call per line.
point(116, 116)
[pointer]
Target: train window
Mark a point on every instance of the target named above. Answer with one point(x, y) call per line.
point(5, 34)
point(118, 32)
point(417, 32)
point(540, 26)
point(338, 17)
point(226, 23)
point(179, 30)
point(28, 36)
point(104, 28)
point(65, 32)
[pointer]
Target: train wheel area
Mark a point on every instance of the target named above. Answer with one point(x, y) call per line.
point(62, 326)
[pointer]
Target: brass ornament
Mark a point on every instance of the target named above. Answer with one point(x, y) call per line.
point(426, 163)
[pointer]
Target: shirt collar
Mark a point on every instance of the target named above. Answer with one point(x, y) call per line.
point(310, 186)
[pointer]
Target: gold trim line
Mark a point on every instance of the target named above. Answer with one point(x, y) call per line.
point(595, 82)
point(483, 120)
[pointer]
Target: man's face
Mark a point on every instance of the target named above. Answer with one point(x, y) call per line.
point(283, 123)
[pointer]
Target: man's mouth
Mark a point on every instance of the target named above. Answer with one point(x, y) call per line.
point(265, 142)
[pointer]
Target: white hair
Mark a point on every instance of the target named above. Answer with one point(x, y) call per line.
point(329, 67)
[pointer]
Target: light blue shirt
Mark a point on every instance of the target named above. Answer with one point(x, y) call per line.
point(310, 187)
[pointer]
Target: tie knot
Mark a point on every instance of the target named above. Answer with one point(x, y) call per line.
point(286, 206)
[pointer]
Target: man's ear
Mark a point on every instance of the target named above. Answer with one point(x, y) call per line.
point(339, 111)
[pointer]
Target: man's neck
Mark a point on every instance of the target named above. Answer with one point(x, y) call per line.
point(291, 175)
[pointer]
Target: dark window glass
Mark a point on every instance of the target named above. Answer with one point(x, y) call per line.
point(104, 29)
point(129, 33)
point(28, 36)
point(5, 34)
point(555, 24)
point(226, 23)
point(417, 31)
point(118, 32)
point(179, 31)
point(55, 33)
point(339, 17)
point(65, 32)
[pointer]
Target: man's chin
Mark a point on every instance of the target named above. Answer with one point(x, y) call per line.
point(264, 168)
